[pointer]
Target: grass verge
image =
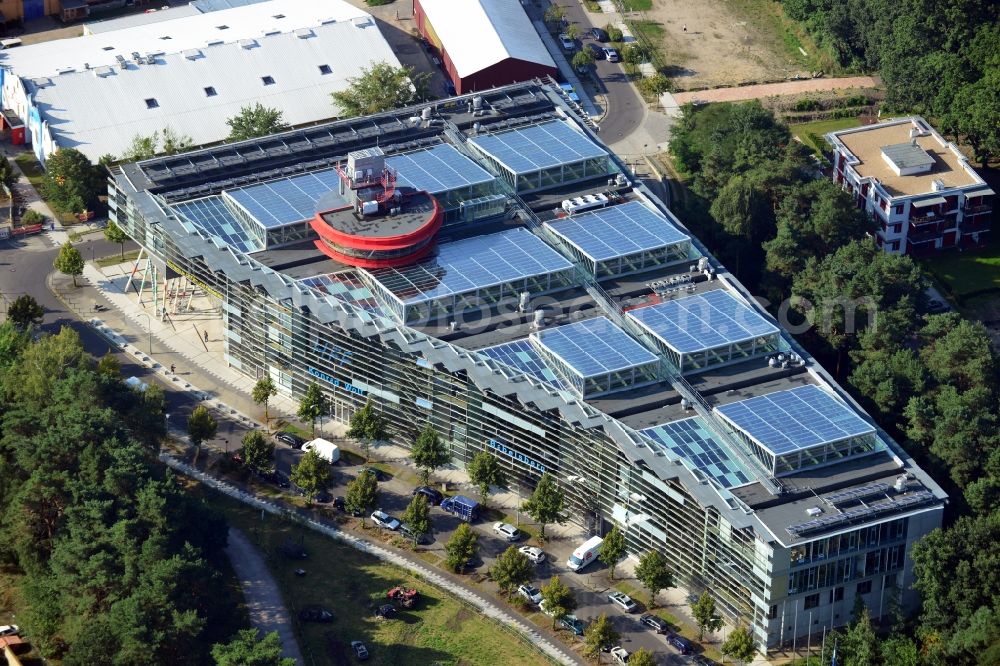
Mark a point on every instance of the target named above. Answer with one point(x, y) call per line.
point(811, 134)
point(31, 168)
point(767, 22)
point(440, 629)
point(116, 259)
point(967, 273)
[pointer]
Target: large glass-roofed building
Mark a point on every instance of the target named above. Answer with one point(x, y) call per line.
point(471, 274)
point(800, 428)
point(626, 238)
point(551, 344)
point(707, 330)
point(544, 155)
point(597, 357)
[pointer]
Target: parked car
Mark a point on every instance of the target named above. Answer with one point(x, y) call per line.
point(323, 497)
point(408, 532)
point(573, 623)
point(383, 519)
point(433, 495)
point(596, 51)
point(620, 655)
point(657, 624)
point(360, 651)
point(567, 43)
point(276, 478)
point(507, 531)
point(533, 553)
point(680, 643)
point(9, 630)
point(315, 614)
point(531, 593)
point(386, 611)
point(544, 608)
point(379, 474)
point(612, 54)
point(623, 601)
point(291, 439)
point(599, 34)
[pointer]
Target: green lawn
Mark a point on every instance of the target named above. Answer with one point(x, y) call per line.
point(114, 259)
point(964, 273)
point(440, 629)
point(31, 168)
point(637, 5)
point(811, 134)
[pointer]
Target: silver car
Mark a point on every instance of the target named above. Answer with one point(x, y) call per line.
point(383, 519)
point(623, 601)
point(507, 531)
point(532, 594)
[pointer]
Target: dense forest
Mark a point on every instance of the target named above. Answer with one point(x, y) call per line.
point(930, 380)
point(115, 563)
point(939, 58)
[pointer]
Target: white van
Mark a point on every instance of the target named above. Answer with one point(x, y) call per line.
point(326, 450)
point(585, 554)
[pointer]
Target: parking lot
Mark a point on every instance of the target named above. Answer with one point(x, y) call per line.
point(591, 586)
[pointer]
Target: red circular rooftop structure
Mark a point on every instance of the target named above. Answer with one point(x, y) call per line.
point(384, 227)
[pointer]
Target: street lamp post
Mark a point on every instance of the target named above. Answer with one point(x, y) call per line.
point(149, 326)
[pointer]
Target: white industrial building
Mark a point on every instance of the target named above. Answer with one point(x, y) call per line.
point(97, 92)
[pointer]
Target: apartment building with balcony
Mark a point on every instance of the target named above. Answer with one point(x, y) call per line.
point(920, 188)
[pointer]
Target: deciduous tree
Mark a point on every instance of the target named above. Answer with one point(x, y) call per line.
point(599, 635)
point(312, 474)
point(511, 569)
point(546, 504)
point(25, 312)
point(705, 616)
point(313, 405)
point(257, 451)
point(262, 393)
point(418, 516)
point(653, 572)
point(201, 426)
point(641, 657)
point(485, 471)
point(558, 599)
point(461, 547)
point(368, 425)
point(362, 494)
point(740, 645)
point(115, 234)
point(256, 120)
point(381, 87)
point(429, 452)
point(71, 183)
point(69, 261)
point(612, 549)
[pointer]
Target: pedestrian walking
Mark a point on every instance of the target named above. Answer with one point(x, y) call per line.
point(206, 336)
point(685, 27)
point(172, 368)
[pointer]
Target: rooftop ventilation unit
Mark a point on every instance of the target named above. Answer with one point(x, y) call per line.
point(215, 42)
point(304, 33)
point(814, 511)
point(248, 43)
point(271, 31)
point(900, 485)
point(539, 319)
point(136, 58)
point(586, 202)
point(192, 54)
point(937, 185)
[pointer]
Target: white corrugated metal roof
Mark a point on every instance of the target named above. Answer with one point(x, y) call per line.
point(174, 36)
point(100, 111)
point(480, 33)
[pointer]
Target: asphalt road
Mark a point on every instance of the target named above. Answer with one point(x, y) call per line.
point(626, 110)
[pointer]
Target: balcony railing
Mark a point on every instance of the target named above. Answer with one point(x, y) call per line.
point(923, 235)
point(929, 218)
point(971, 227)
point(976, 210)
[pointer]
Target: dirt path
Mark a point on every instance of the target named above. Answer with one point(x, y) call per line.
point(263, 598)
point(771, 89)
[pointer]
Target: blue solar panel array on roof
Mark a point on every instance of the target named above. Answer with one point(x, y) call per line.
point(438, 169)
point(466, 265)
point(212, 215)
point(691, 441)
point(705, 321)
point(796, 419)
point(595, 347)
point(521, 354)
point(286, 201)
point(537, 147)
point(618, 231)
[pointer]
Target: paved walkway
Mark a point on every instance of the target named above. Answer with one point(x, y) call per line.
point(260, 591)
point(773, 89)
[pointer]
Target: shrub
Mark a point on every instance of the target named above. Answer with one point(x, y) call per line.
point(654, 86)
point(32, 217)
point(806, 105)
point(614, 33)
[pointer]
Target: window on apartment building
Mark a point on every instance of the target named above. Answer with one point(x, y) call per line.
point(812, 601)
point(864, 587)
point(898, 209)
point(836, 594)
point(897, 228)
point(773, 613)
point(894, 246)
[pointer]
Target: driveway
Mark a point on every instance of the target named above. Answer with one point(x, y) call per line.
point(264, 603)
